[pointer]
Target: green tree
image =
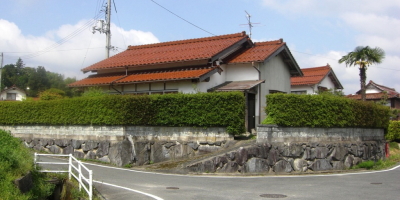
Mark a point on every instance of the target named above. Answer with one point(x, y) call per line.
point(71, 92)
point(38, 81)
point(94, 92)
point(52, 94)
point(363, 57)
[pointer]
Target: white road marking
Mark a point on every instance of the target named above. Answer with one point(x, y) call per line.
point(129, 189)
point(233, 176)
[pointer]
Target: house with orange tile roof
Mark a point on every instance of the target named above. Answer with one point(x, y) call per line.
point(375, 92)
point(230, 62)
point(315, 79)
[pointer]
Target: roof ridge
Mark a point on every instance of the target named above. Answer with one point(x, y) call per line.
point(279, 41)
point(186, 41)
point(320, 67)
point(381, 86)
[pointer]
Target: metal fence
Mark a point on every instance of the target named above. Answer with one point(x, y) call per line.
point(75, 169)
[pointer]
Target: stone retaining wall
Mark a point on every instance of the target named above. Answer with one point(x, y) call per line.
point(282, 149)
point(121, 145)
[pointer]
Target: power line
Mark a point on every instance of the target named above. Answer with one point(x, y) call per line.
point(63, 40)
point(337, 60)
point(182, 18)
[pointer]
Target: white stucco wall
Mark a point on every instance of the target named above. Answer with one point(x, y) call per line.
point(370, 90)
point(241, 72)
point(20, 95)
point(327, 82)
point(312, 89)
point(307, 88)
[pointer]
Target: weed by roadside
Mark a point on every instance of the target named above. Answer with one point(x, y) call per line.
point(393, 159)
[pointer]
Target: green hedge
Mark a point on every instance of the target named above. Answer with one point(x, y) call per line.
point(200, 110)
point(324, 111)
point(393, 131)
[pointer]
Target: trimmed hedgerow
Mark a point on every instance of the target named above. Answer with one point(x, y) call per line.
point(198, 110)
point(393, 131)
point(324, 111)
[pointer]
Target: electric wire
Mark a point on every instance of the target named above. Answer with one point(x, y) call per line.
point(65, 39)
point(182, 18)
point(119, 23)
point(337, 60)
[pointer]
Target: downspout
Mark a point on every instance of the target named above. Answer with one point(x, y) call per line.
point(259, 91)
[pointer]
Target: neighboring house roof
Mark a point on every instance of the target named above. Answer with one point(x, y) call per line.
point(316, 75)
point(391, 92)
point(262, 51)
point(370, 96)
point(148, 76)
point(201, 50)
point(13, 88)
point(373, 85)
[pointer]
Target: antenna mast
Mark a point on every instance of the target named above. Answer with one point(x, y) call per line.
point(103, 26)
point(249, 23)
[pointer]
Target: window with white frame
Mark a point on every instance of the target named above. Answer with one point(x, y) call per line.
point(299, 92)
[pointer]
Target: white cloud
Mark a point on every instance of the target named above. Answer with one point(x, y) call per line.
point(376, 24)
point(332, 7)
point(349, 76)
point(74, 54)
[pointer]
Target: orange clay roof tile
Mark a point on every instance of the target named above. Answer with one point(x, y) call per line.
point(311, 76)
point(150, 76)
point(166, 52)
point(259, 52)
point(370, 96)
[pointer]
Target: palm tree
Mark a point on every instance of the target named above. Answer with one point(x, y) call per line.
point(364, 57)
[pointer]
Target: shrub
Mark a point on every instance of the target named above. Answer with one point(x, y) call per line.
point(393, 132)
point(324, 111)
point(226, 109)
point(15, 161)
point(94, 92)
point(52, 94)
point(394, 145)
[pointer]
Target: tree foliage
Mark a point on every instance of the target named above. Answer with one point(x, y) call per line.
point(52, 94)
point(34, 80)
point(363, 57)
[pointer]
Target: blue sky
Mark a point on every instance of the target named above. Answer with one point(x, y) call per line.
point(317, 32)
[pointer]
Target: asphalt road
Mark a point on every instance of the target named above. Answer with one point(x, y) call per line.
point(122, 184)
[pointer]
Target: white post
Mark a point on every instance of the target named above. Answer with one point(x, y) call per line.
point(90, 184)
point(70, 167)
point(34, 159)
point(80, 175)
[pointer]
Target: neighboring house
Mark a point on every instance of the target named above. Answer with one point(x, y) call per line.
point(315, 80)
point(12, 94)
point(220, 63)
point(375, 92)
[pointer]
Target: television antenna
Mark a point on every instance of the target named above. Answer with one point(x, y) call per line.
point(249, 23)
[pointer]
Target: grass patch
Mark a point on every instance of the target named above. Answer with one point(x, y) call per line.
point(16, 161)
point(394, 145)
point(393, 159)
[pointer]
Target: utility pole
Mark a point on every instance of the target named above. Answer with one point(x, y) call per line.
point(103, 26)
point(1, 68)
